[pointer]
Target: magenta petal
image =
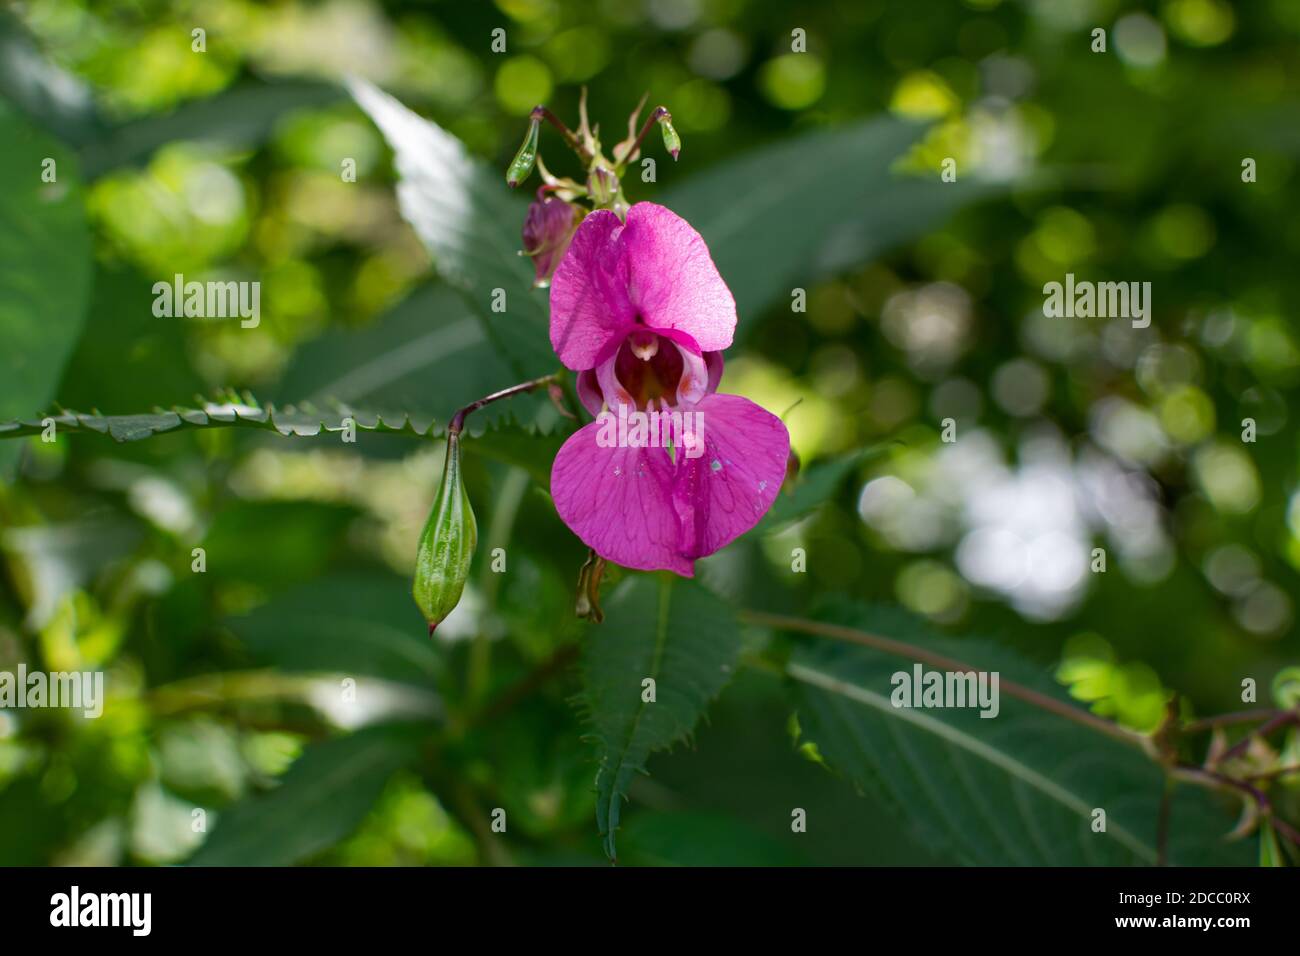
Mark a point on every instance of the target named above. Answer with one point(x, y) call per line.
point(589, 393)
point(721, 494)
point(590, 309)
point(674, 283)
point(619, 502)
point(655, 270)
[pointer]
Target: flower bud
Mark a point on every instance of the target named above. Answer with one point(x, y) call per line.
point(548, 227)
point(522, 165)
point(447, 544)
point(672, 142)
point(602, 183)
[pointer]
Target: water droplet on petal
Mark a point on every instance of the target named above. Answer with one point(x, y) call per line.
point(762, 486)
point(618, 470)
point(715, 465)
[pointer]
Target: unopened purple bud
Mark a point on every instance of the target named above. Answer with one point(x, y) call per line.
point(548, 227)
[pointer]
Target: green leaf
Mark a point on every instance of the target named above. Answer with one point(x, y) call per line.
point(240, 117)
point(427, 356)
point(794, 212)
point(814, 488)
point(50, 96)
point(344, 623)
point(45, 269)
point(150, 363)
point(466, 217)
point(1016, 789)
point(233, 410)
point(663, 628)
point(322, 798)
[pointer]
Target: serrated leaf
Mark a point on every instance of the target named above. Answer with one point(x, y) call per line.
point(45, 268)
point(470, 223)
point(791, 213)
point(1017, 789)
point(322, 798)
point(660, 627)
point(230, 411)
point(428, 356)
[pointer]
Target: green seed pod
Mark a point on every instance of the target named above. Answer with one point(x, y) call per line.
point(525, 159)
point(672, 142)
point(447, 544)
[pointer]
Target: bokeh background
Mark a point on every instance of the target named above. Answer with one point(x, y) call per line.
point(1073, 434)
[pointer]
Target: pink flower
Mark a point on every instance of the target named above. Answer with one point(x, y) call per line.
point(639, 310)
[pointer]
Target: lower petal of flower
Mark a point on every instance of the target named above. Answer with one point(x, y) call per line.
point(619, 502)
point(722, 493)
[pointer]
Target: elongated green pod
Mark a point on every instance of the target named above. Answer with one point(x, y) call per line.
point(447, 544)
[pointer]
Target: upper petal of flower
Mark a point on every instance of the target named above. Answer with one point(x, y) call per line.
point(590, 309)
point(674, 283)
point(653, 271)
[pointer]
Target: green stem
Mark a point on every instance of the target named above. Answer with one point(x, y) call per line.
point(457, 423)
point(542, 113)
point(653, 118)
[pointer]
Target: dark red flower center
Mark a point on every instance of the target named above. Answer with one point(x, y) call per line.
point(650, 367)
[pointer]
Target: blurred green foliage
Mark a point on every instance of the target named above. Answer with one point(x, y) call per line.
point(289, 691)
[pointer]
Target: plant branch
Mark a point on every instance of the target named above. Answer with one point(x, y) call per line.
point(1228, 720)
point(1220, 781)
point(654, 117)
point(542, 113)
point(903, 649)
point(1278, 721)
point(457, 423)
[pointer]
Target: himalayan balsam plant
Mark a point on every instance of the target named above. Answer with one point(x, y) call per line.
point(652, 467)
point(641, 315)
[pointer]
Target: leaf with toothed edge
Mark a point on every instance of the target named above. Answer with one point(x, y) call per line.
point(230, 410)
point(504, 439)
point(660, 627)
point(45, 268)
point(1017, 789)
point(426, 355)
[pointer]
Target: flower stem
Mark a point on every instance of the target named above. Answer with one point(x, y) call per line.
point(912, 652)
point(653, 118)
point(542, 113)
point(457, 423)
